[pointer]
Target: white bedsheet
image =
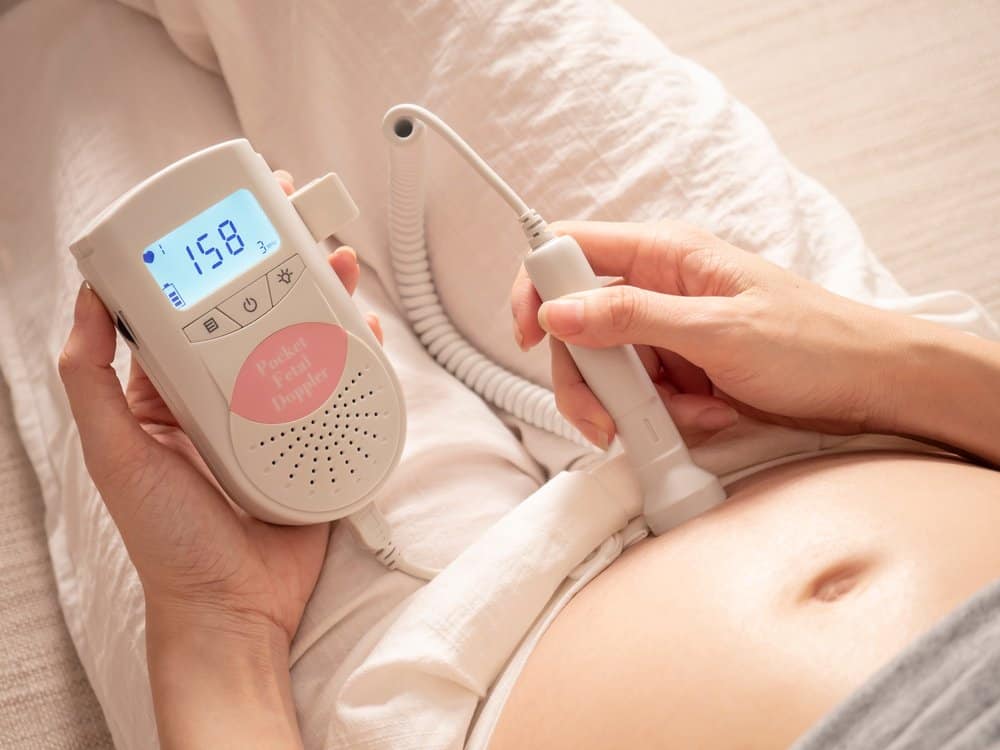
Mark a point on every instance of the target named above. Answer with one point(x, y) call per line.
point(576, 104)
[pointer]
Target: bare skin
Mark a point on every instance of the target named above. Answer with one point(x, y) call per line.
point(743, 627)
point(722, 332)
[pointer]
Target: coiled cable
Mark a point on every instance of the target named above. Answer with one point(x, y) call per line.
point(403, 127)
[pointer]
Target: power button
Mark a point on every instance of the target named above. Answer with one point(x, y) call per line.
point(249, 303)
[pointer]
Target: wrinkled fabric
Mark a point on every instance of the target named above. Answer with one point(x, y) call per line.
point(576, 104)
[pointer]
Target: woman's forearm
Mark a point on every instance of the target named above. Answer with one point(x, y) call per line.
point(220, 684)
point(945, 387)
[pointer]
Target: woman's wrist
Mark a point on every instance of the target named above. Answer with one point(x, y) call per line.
point(219, 679)
point(940, 385)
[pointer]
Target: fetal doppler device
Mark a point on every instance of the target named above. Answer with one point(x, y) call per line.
point(213, 277)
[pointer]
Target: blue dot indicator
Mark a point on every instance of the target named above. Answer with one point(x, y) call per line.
point(148, 256)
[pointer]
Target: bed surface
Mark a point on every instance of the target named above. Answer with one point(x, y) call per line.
point(891, 105)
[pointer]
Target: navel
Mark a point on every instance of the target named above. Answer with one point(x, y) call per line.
point(835, 582)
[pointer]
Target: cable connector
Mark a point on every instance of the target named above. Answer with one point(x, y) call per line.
point(535, 229)
point(374, 533)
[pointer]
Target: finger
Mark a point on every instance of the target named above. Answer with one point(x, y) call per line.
point(698, 417)
point(375, 324)
point(286, 181)
point(344, 262)
point(524, 304)
point(137, 377)
point(615, 315)
point(648, 254)
point(576, 401)
point(109, 432)
point(144, 401)
point(650, 361)
point(683, 375)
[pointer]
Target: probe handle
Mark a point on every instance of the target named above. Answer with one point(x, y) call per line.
point(615, 375)
point(675, 488)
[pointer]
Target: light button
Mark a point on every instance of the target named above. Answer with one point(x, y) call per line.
point(211, 325)
point(282, 277)
point(249, 303)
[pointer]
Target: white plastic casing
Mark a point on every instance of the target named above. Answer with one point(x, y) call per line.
point(293, 405)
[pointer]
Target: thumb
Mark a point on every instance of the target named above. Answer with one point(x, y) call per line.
point(616, 315)
point(109, 432)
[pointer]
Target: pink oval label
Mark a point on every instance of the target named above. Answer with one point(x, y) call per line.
point(291, 373)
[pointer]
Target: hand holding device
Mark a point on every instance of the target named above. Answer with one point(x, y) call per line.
point(224, 592)
point(214, 280)
point(715, 319)
point(675, 489)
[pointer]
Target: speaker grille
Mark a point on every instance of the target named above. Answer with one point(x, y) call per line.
point(335, 455)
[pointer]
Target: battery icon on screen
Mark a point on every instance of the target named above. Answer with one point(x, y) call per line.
point(173, 295)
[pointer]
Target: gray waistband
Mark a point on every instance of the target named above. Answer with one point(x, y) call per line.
point(941, 693)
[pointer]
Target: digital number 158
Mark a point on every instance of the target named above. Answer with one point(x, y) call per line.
point(228, 234)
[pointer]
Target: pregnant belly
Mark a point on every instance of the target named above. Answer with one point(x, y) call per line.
point(743, 627)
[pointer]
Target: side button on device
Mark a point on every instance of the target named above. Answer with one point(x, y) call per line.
point(249, 303)
point(211, 325)
point(282, 277)
point(124, 330)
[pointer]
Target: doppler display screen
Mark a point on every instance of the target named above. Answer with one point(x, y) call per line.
point(203, 254)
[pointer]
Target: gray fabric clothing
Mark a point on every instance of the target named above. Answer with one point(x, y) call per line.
point(941, 693)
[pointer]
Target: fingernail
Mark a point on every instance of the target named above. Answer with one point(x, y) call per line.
point(285, 175)
point(718, 418)
point(563, 316)
point(518, 337)
point(83, 297)
point(595, 434)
